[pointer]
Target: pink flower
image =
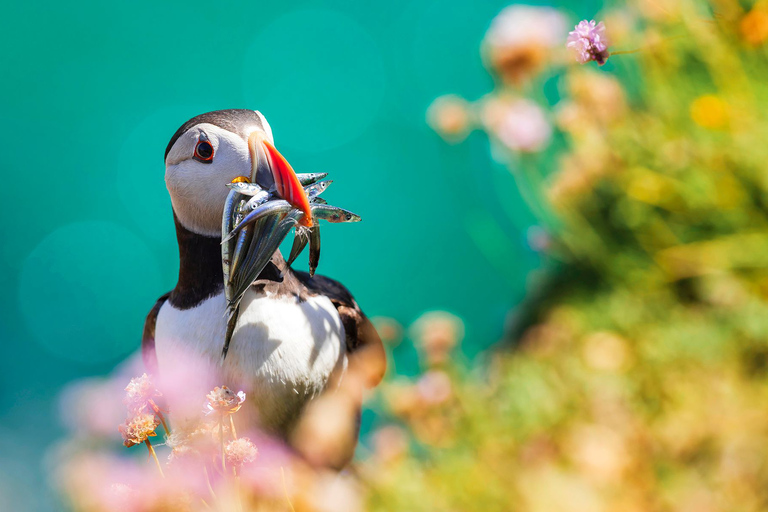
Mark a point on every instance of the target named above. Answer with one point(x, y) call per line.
point(589, 42)
point(224, 401)
point(240, 451)
point(519, 43)
point(434, 387)
point(136, 430)
point(139, 392)
point(524, 127)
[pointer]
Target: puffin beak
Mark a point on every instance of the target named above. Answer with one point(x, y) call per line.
point(270, 167)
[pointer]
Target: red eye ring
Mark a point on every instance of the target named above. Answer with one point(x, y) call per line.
point(203, 151)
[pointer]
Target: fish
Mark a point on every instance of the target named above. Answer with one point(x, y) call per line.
point(316, 189)
point(310, 178)
point(227, 223)
point(270, 207)
point(254, 202)
point(314, 248)
point(245, 188)
point(300, 240)
point(333, 214)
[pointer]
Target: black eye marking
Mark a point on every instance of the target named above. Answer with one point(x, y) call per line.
point(203, 151)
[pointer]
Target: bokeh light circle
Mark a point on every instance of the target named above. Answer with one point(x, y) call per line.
point(83, 291)
point(316, 96)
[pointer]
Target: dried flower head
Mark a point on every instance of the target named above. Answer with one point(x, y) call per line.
point(224, 401)
point(520, 41)
point(436, 334)
point(588, 42)
point(449, 116)
point(139, 392)
point(240, 451)
point(137, 429)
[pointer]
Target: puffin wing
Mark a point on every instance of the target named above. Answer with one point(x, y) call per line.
point(364, 347)
point(148, 354)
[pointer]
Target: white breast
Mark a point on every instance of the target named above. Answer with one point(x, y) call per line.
point(282, 352)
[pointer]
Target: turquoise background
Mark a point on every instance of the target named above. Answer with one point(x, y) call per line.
point(91, 94)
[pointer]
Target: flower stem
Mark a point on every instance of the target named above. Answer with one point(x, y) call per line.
point(208, 481)
point(285, 489)
point(160, 415)
point(232, 424)
point(221, 442)
point(154, 456)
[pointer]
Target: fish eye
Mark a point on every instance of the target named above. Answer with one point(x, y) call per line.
point(204, 151)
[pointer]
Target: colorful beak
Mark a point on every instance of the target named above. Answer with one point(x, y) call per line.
point(270, 167)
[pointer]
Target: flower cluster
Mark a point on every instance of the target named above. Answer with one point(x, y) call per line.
point(138, 429)
point(140, 394)
point(144, 416)
point(223, 400)
point(588, 42)
point(240, 451)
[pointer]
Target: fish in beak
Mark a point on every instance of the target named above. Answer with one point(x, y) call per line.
point(271, 169)
point(260, 211)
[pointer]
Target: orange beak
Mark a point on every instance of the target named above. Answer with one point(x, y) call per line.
point(263, 156)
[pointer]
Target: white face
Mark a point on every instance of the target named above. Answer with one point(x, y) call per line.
point(197, 183)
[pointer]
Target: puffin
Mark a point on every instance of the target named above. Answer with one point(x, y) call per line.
point(297, 336)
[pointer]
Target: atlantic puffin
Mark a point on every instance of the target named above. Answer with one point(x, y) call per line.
point(296, 335)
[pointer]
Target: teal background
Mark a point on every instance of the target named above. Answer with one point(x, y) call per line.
point(91, 94)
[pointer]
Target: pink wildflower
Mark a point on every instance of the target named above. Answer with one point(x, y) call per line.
point(136, 430)
point(589, 42)
point(240, 451)
point(139, 393)
point(224, 401)
point(524, 127)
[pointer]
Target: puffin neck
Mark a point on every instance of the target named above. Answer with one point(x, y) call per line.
point(200, 272)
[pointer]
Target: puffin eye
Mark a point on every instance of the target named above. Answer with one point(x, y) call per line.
point(204, 152)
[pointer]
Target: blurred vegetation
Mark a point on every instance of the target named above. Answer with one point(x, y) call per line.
point(639, 382)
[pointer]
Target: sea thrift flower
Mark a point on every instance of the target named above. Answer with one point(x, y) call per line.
point(524, 127)
point(224, 401)
point(589, 42)
point(436, 334)
point(449, 116)
point(136, 430)
point(139, 393)
point(520, 41)
point(434, 387)
point(240, 451)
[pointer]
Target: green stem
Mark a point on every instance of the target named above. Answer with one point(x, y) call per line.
point(154, 456)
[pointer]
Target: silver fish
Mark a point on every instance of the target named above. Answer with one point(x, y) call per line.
point(226, 226)
point(333, 213)
point(314, 249)
point(268, 208)
point(244, 239)
point(254, 202)
point(300, 240)
point(245, 188)
point(310, 178)
point(316, 189)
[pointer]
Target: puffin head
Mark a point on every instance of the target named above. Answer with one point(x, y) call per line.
point(213, 149)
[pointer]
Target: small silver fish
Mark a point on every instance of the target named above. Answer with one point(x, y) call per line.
point(316, 189)
point(333, 213)
point(254, 202)
point(309, 178)
point(245, 188)
point(268, 208)
point(314, 248)
point(300, 240)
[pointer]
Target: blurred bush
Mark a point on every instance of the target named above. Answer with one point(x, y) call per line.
point(639, 381)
